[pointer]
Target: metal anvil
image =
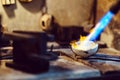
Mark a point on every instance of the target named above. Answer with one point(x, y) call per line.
point(29, 49)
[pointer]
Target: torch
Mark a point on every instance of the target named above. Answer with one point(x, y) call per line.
point(101, 25)
point(87, 47)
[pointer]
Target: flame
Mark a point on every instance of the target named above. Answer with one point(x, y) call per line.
point(82, 38)
point(74, 43)
point(95, 32)
point(91, 30)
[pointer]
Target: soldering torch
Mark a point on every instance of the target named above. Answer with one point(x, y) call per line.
point(101, 25)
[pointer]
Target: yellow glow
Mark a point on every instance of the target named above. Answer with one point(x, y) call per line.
point(82, 38)
point(91, 30)
point(74, 43)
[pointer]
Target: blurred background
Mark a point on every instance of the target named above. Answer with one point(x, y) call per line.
point(66, 19)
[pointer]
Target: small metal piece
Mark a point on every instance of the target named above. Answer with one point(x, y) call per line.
point(51, 49)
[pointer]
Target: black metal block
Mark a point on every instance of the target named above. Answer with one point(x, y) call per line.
point(28, 50)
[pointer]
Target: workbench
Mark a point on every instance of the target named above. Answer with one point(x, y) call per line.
point(67, 68)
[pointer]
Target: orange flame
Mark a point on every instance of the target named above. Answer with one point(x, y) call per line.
point(82, 38)
point(74, 43)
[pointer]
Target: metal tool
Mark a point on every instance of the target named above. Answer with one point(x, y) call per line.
point(101, 25)
point(29, 50)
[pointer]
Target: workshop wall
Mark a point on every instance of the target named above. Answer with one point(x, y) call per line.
point(70, 12)
point(25, 16)
point(22, 16)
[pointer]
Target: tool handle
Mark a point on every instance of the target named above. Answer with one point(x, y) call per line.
point(115, 8)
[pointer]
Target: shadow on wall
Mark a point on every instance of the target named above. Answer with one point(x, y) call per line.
point(34, 6)
point(65, 34)
point(9, 9)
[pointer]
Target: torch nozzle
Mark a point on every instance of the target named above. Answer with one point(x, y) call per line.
point(101, 25)
point(115, 7)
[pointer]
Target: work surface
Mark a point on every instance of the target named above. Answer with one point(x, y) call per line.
point(66, 67)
